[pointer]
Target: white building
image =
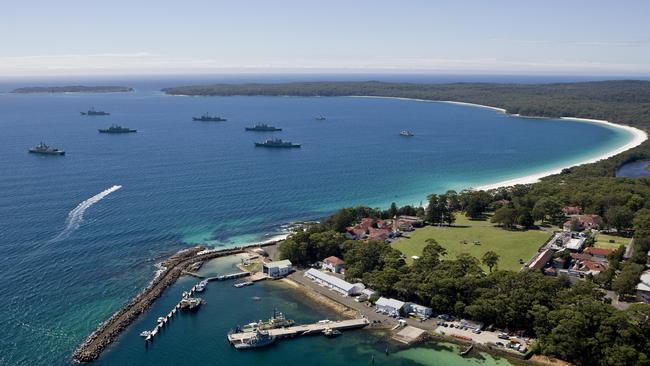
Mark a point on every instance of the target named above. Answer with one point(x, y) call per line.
point(335, 283)
point(643, 288)
point(419, 310)
point(333, 264)
point(277, 269)
point(471, 324)
point(389, 306)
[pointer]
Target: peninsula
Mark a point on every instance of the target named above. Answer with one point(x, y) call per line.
point(73, 89)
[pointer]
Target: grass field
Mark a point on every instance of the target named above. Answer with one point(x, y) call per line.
point(602, 241)
point(510, 245)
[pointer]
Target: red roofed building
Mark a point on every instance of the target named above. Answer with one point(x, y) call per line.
point(378, 234)
point(541, 259)
point(366, 223)
point(333, 264)
point(598, 252)
point(584, 222)
point(356, 233)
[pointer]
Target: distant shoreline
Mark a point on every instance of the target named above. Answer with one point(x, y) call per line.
point(638, 137)
point(72, 89)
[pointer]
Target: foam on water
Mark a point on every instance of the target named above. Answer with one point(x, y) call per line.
point(75, 217)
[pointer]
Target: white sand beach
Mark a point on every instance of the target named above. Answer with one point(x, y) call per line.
point(638, 137)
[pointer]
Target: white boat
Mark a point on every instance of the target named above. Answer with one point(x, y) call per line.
point(406, 133)
point(145, 334)
point(242, 284)
point(201, 286)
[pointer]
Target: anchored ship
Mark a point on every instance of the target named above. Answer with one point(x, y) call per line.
point(263, 127)
point(208, 118)
point(320, 118)
point(93, 112)
point(406, 133)
point(279, 143)
point(45, 150)
point(116, 129)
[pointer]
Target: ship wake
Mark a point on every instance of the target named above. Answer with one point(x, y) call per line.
point(75, 217)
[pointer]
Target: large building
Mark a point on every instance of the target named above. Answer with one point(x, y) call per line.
point(390, 306)
point(335, 283)
point(277, 269)
point(420, 311)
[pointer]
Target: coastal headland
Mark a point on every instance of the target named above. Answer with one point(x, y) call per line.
point(172, 268)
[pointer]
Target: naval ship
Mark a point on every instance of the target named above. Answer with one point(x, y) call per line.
point(93, 112)
point(116, 129)
point(263, 127)
point(277, 143)
point(208, 118)
point(45, 150)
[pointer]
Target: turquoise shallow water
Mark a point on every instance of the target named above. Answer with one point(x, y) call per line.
point(187, 182)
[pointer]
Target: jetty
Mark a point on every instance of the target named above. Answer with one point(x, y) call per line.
point(173, 268)
point(300, 330)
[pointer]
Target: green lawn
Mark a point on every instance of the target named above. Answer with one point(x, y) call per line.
point(510, 245)
point(602, 241)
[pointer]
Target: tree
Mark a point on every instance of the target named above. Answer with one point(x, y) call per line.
point(546, 209)
point(430, 256)
point(392, 211)
point(619, 217)
point(490, 259)
point(626, 281)
point(504, 216)
point(438, 210)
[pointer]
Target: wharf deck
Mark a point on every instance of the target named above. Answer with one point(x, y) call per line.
point(305, 329)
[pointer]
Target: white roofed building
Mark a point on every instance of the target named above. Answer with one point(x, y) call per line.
point(389, 306)
point(335, 283)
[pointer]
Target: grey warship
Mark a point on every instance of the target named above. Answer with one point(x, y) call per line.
point(45, 150)
point(263, 127)
point(208, 118)
point(116, 129)
point(276, 143)
point(93, 112)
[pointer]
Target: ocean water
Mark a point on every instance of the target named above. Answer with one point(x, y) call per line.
point(74, 247)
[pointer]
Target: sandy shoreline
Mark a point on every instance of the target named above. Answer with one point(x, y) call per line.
point(638, 137)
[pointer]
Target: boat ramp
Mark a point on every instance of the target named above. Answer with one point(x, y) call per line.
point(299, 330)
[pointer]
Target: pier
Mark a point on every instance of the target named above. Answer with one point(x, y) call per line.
point(299, 330)
point(174, 267)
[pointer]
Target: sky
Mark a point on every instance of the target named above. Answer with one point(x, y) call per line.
point(124, 37)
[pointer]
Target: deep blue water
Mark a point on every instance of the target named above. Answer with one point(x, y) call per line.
point(187, 182)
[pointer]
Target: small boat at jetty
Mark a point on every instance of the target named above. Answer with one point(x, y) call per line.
point(200, 287)
point(260, 339)
point(190, 303)
point(329, 332)
point(145, 333)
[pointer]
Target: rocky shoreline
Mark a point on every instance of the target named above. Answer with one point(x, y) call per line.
point(174, 267)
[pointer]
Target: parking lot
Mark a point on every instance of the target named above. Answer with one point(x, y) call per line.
point(454, 329)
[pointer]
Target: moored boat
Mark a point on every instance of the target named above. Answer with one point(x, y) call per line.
point(93, 112)
point(262, 127)
point(208, 118)
point(44, 149)
point(116, 129)
point(276, 143)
